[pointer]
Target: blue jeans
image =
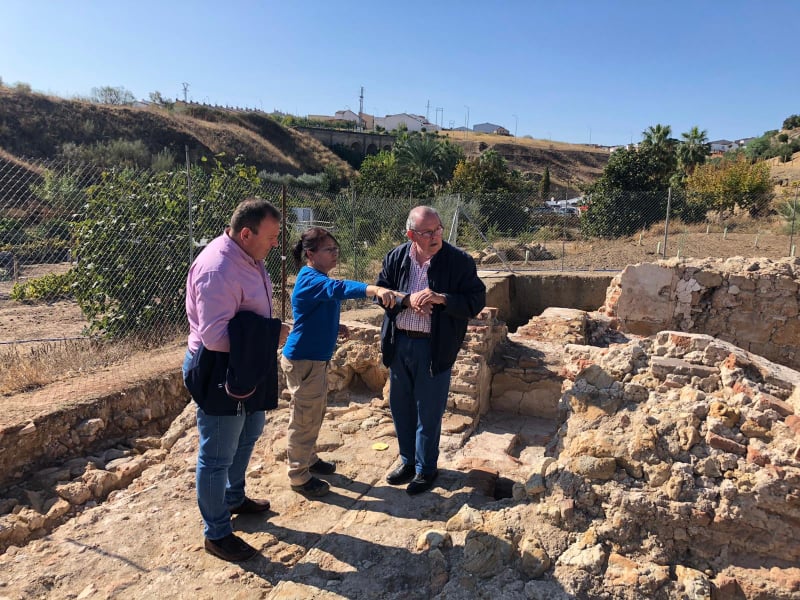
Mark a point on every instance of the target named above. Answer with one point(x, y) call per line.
point(417, 401)
point(226, 443)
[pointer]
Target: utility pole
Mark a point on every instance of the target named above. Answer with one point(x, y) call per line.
point(439, 109)
point(361, 110)
point(466, 122)
point(516, 122)
point(185, 90)
point(428, 111)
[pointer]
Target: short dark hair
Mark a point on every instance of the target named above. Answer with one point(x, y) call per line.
point(310, 240)
point(250, 212)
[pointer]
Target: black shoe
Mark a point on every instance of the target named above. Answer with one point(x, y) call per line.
point(402, 474)
point(323, 467)
point(230, 548)
point(313, 488)
point(250, 506)
point(421, 483)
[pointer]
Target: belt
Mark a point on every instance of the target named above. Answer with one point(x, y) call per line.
point(415, 335)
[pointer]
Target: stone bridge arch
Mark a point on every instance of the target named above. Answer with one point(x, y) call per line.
point(363, 142)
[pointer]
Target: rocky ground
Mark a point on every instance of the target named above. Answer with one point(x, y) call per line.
point(674, 473)
point(366, 539)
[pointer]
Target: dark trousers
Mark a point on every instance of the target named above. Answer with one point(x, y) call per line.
point(418, 401)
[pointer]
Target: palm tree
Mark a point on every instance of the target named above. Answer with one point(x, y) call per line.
point(657, 137)
point(693, 149)
point(421, 156)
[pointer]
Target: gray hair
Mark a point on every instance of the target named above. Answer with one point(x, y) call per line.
point(418, 213)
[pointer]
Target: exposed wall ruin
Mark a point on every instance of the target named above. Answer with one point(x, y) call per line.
point(752, 303)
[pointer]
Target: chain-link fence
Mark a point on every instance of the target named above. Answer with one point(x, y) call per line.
point(99, 257)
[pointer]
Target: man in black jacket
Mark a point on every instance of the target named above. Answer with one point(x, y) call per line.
point(421, 337)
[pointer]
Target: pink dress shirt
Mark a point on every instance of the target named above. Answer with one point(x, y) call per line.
point(222, 281)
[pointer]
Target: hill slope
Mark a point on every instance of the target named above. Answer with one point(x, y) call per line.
point(569, 164)
point(36, 126)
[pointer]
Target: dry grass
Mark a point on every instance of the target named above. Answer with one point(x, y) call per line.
point(492, 139)
point(27, 367)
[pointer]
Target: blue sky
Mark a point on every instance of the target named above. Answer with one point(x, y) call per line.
point(576, 71)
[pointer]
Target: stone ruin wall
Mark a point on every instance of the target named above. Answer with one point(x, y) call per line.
point(77, 428)
point(751, 303)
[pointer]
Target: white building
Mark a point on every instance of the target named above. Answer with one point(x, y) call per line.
point(412, 122)
point(722, 146)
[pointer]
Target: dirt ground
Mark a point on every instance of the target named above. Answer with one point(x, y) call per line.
point(358, 542)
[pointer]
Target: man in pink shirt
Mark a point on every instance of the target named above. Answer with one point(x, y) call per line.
point(228, 277)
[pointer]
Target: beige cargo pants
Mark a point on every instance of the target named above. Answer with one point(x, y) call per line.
point(308, 383)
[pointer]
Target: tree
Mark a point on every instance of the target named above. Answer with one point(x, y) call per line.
point(380, 177)
point(631, 194)
point(428, 160)
point(488, 172)
point(112, 95)
point(132, 243)
point(791, 122)
point(657, 137)
point(157, 98)
point(727, 184)
point(495, 188)
point(544, 184)
point(693, 149)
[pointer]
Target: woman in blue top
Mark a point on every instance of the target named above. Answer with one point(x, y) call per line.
point(316, 303)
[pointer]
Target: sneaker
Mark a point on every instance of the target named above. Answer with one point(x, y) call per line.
point(421, 483)
point(313, 488)
point(401, 474)
point(230, 548)
point(323, 467)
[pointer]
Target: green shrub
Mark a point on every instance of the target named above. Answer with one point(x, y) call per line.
point(12, 231)
point(41, 251)
point(55, 286)
point(54, 229)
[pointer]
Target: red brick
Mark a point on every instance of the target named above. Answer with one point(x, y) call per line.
point(767, 402)
point(722, 443)
point(754, 456)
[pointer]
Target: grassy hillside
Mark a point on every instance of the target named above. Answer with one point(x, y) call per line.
point(36, 126)
point(570, 164)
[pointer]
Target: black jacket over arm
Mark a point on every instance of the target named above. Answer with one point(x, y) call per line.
point(452, 272)
point(220, 381)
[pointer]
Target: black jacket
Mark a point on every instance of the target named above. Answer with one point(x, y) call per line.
point(244, 380)
point(452, 273)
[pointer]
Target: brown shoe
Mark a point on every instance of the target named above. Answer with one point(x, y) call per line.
point(250, 506)
point(230, 548)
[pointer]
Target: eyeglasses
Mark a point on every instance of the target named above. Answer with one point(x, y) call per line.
point(429, 234)
point(331, 249)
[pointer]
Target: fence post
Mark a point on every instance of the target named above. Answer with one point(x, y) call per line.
point(354, 242)
point(189, 201)
point(453, 237)
point(283, 253)
point(794, 216)
point(666, 221)
point(564, 228)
